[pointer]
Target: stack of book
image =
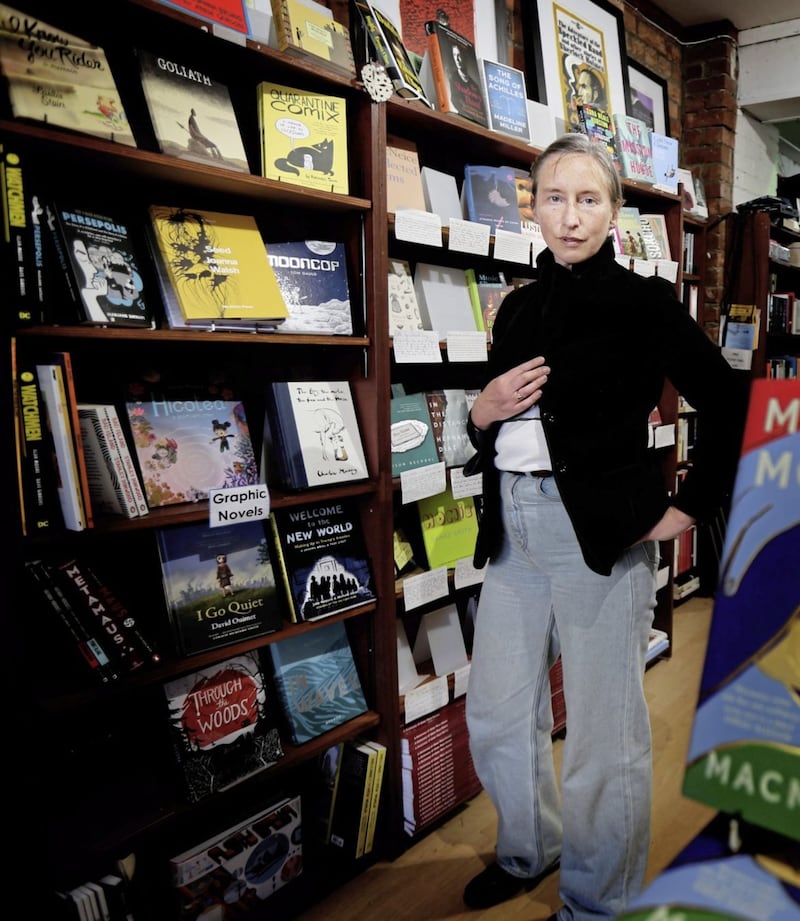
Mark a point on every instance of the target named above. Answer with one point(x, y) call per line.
point(357, 785)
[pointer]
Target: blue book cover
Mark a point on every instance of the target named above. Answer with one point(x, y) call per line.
point(490, 197)
point(312, 277)
point(665, 161)
point(219, 584)
point(507, 100)
point(317, 680)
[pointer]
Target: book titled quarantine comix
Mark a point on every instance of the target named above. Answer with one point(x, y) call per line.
point(216, 266)
point(234, 872)
point(104, 263)
point(632, 139)
point(223, 726)
point(744, 752)
point(312, 277)
point(219, 584)
point(192, 113)
point(317, 680)
point(303, 137)
point(506, 99)
point(185, 447)
point(313, 435)
point(59, 78)
point(323, 559)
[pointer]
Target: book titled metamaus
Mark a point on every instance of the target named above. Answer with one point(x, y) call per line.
point(744, 753)
point(303, 137)
point(323, 558)
point(222, 725)
point(187, 446)
point(317, 680)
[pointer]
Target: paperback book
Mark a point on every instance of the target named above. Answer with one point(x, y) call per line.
point(222, 725)
point(234, 872)
point(59, 78)
point(632, 138)
point(449, 528)
point(313, 281)
point(489, 196)
point(628, 240)
point(185, 447)
point(443, 298)
point(317, 680)
point(312, 434)
point(506, 99)
point(411, 433)
point(192, 113)
point(449, 409)
point(216, 266)
point(307, 28)
point(108, 482)
point(322, 558)
point(654, 232)
point(441, 195)
point(404, 187)
point(404, 313)
point(352, 798)
point(449, 73)
point(219, 584)
point(664, 150)
point(596, 123)
point(104, 265)
point(287, 115)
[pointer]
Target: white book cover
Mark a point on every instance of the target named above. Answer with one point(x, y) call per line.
point(443, 297)
point(108, 482)
point(404, 312)
point(441, 194)
point(127, 459)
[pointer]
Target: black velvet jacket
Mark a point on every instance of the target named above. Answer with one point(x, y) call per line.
point(612, 339)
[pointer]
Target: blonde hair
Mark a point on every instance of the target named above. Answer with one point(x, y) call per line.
point(581, 144)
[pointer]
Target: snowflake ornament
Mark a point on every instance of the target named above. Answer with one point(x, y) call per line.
point(377, 82)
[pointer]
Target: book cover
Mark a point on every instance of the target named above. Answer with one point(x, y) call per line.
point(352, 795)
point(317, 680)
point(375, 796)
point(455, 404)
point(506, 99)
point(221, 720)
point(596, 123)
point(185, 447)
point(233, 873)
point(628, 240)
point(124, 451)
point(443, 298)
point(322, 557)
point(745, 741)
point(104, 265)
point(449, 73)
point(39, 503)
point(489, 196)
point(664, 150)
point(303, 137)
point(59, 78)
point(385, 45)
point(314, 434)
point(192, 113)
point(217, 265)
point(487, 290)
point(403, 176)
point(219, 584)
point(234, 15)
point(449, 528)
point(632, 138)
point(313, 281)
point(108, 482)
point(656, 225)
point(686, 180)
point(441, 194)
point(411, 433)
point(308, 27)
point(404, 313)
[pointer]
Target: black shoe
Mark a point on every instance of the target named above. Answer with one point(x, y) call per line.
point(494, 885)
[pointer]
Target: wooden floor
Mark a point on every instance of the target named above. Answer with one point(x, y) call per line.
point(425, 883)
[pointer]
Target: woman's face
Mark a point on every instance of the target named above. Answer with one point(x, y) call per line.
point(573, 207)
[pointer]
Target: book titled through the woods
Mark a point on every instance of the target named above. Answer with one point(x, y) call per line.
point(323, 558)
point(222, 724)
point(219, 584)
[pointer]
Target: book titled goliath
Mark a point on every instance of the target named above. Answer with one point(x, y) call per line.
point(104, 264)
point(187, 446)
point(192, 113)
point(744, 752)
point(312, 435)
point(219, 584)
point(323, 558)
point(303, 137)
point(59, 78)
point(234, 872)
point(222, 725)
point(312, 277)
point(317, 680)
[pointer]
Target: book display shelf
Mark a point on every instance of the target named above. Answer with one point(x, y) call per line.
point(117, 791)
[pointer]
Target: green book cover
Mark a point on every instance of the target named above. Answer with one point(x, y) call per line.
point(449, 528)
point(412, 438)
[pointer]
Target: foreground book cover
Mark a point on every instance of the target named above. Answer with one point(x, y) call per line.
point(744, 755)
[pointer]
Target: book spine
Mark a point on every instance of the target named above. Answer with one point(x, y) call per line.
point(104, 471)
point(437, 70)
point(71, 402)
point(283, 24)
point(375, 796)
point(351, 798)
point(294, 614)
point(16, 251)
point(128, 463)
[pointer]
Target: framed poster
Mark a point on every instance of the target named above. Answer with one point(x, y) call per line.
point(575, 52)
point(647, 98)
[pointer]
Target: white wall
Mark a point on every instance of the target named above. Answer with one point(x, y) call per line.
point(755, 159)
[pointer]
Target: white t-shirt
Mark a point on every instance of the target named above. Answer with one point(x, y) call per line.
point(521, 444)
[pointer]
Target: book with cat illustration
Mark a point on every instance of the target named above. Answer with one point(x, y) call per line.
point(303, 137)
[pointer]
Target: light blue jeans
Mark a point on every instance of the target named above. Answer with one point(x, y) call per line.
point(539, 599)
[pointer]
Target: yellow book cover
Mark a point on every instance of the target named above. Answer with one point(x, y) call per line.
point(217, 265)
point(449, 528)
point(308, 26)
point(303, 137)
